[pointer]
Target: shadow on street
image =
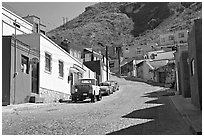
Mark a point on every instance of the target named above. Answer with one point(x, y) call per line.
point(163, 118)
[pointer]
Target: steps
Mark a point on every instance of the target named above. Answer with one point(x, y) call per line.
point(35, 98)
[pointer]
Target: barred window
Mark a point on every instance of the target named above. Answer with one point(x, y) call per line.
point(61, 68)
point(48, 60)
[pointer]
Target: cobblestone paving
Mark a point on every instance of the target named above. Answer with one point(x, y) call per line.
point(137, 108)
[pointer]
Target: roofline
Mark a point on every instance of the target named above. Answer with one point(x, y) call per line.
point(150, 65)
point(161, 60)
point(88, 78)
point(17, 16)
point(60, 48)
point(92, 51)
point(36, 17)
point(31, 16)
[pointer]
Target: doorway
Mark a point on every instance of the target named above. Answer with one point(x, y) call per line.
point(162, 77)
point(35, 76)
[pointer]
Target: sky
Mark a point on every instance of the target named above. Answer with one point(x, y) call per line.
point(51, 13)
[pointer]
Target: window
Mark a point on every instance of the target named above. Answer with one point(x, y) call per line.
point(24, 64)
point(61, 68)
point(48, 60)
point(181, 41)
point(192, 67)
point(181, 35)
point(171, 37)
point(111, 64)
point(139, 50)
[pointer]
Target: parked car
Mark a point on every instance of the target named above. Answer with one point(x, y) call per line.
point(87, 88)
point(114, 84)
point(106, 88)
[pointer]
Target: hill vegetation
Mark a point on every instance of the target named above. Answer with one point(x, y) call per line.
point(125, 23)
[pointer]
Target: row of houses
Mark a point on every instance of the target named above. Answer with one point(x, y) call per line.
point(166, 42)
point(159, 69)
point(34, 68)
point(180, 67)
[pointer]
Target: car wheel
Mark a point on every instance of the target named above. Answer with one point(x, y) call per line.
point(74, 100)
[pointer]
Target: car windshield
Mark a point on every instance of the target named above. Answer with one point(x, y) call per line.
point(104, 84)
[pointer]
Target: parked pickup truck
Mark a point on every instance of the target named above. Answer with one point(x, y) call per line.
point(87, 88)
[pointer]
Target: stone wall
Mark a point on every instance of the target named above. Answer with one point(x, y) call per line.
point(52, 96)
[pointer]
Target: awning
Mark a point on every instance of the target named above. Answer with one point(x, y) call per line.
point(73, 70)
point(76, 68)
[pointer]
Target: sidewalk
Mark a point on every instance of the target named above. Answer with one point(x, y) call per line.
point(25, 106)
point(191, 114)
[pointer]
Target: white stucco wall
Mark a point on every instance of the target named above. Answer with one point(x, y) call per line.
point(51, 80)
point(88, 73)
point(165, 55)
point(8, 18)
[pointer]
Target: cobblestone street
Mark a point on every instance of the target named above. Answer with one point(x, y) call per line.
point(137, 108)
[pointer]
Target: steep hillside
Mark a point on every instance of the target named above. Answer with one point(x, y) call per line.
point(123, 23)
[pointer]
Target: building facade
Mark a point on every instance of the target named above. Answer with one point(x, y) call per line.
point(13, 24)
point(19, 71)
point(136, 52)
point(171, 39)
point(97, 63)
point(55, 70)
point(195, 63)
point(56, 67)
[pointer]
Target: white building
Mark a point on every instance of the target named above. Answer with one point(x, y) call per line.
point(178, 37)
point(136, 51)
point(12, 23)
point(58, 70)
point(160, 54)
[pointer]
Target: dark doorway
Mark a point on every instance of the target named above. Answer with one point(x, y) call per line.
point(71, 82)
point(162, 77)
point(35, 76)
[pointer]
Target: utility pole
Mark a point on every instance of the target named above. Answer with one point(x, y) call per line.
point(15, 64)
point(107, 62)
point(66, 21)
point(106, 59)
point(63, 21)
point(118, 49)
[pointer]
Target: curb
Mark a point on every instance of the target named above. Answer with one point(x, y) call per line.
point(195, 130)
point(22, 107)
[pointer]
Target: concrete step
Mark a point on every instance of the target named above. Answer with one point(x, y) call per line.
point(36, 99)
